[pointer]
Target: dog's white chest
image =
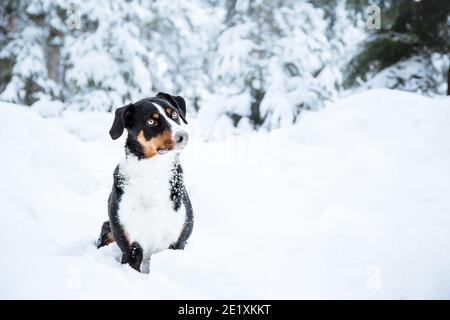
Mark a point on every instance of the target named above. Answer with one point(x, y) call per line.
point(145, 209)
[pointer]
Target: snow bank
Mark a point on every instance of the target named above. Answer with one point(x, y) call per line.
point(350, 203)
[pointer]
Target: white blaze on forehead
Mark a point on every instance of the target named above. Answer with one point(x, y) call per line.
point(163, 112)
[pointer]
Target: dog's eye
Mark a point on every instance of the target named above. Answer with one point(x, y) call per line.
point(152, 122)
point(174, 115)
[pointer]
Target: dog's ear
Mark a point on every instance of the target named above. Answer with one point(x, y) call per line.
point(177, 101)
point(120, 121)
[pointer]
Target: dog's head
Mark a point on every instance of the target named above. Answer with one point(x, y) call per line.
point(154, 125)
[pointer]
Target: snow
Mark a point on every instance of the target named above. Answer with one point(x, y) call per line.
point(47, 108)
point(351, 202)
point(418, 74)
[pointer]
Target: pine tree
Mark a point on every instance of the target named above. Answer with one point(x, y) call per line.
point(116, 52)
point(29, 54)
point(413, 33)
point(106, 59)
point(269, 60)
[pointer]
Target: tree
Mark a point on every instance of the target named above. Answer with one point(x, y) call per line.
point(268, 62)
point(116, 52)
point(412, 32)
point(29, 50)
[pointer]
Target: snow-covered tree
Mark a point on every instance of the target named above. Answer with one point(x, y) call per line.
point(409, 51)
point(181, 37)
point(128, 50)
point(116, 51)
point(107, 62)
point(32, 35)
point(244, 64)
point(345, 30)
point(273, 59)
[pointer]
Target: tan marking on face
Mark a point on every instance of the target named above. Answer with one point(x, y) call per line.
point(155, 115)
point(150, 147)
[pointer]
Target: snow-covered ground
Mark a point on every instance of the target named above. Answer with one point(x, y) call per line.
point(352, 202)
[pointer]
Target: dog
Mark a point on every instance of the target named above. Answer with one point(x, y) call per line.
point(149, 208)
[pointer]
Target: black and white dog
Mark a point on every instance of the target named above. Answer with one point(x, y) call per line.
point(149, 208)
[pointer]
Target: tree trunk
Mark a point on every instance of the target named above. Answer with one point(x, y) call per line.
point(53, 56)
point(10, 27)
point(448, 81)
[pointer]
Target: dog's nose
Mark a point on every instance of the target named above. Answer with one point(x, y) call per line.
point(181, 137)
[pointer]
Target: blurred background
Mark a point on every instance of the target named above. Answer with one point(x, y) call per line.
point(241, 64)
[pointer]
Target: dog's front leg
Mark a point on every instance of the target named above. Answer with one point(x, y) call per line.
point(133, 256)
